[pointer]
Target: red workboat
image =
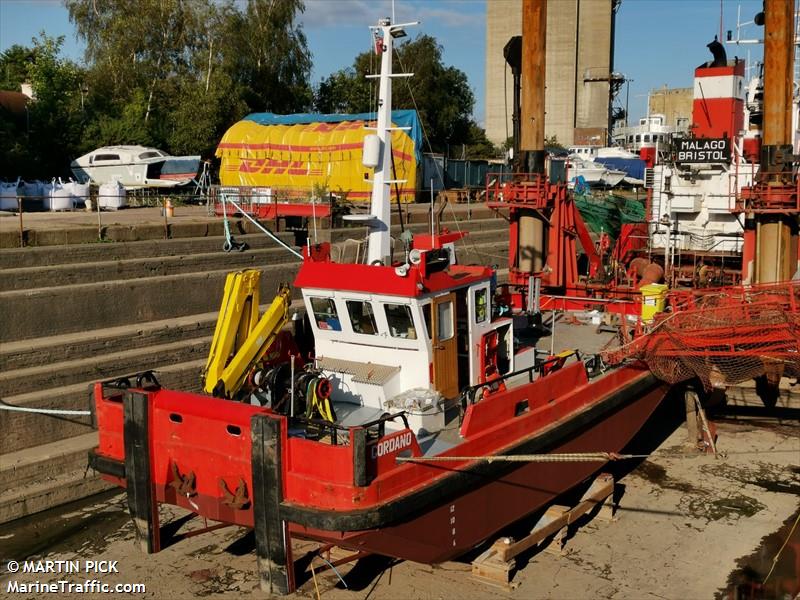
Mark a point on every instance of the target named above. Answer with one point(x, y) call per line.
point(330, 438)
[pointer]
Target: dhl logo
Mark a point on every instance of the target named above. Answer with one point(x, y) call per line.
point(271, 166)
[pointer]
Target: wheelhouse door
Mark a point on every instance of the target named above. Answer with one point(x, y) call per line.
point(445, 352)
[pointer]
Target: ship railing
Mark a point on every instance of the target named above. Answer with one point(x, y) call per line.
point(777, 192)
point(474, 393)
point(518, 190)
point(341, 435)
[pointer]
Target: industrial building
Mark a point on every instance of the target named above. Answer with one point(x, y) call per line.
point(580, 59)
point(674, 103)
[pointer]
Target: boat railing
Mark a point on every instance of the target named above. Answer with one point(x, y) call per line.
point(475, 393)
point(338, 434)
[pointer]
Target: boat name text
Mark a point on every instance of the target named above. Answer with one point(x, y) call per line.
point(395, 444)
point(703, 150)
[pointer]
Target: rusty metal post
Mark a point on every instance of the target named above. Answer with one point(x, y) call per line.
point(777, 233)
point(778, 76)
point(531, 227)
point(534, 42)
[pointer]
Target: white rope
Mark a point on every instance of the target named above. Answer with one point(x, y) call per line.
point(43, 411)
point(262, 228)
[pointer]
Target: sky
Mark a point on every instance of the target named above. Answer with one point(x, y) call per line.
point(658, 42)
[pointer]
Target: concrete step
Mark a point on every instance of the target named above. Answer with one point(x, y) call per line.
point(82, 307)
point(69, 372)
point(84, 344)
point(87, 306)
point(24, 430)
point(138, 268)
point(50, 475)
point(48, 274)
point(47, 461)
point(108, 252)
point(41, 496)
point(76, 253)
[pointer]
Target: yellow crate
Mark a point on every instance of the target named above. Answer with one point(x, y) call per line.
point(654, 297)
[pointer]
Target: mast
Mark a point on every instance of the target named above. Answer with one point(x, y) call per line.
point(379, 221)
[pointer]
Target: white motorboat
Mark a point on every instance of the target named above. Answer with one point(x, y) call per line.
point(135, 167)
point(593, 173)
point(612, 177)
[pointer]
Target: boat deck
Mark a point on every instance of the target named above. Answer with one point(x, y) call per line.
point(570, 334)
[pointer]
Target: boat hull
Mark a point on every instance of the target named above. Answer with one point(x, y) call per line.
point(447, 523)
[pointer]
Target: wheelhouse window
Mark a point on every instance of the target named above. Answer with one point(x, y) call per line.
point(426, 313)
point(444, 320)
point(362, 317)
point(102, 157)
point(325, 314)
point(481, 305)
point(150, 154)
point(401, 323)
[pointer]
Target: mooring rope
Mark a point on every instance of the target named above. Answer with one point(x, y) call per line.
point(43, 411)
point(552, 457)
point(573, 457)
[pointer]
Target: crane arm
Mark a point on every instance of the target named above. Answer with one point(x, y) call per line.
point(240, 338)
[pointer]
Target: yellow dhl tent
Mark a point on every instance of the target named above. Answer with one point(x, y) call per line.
point(293, 153)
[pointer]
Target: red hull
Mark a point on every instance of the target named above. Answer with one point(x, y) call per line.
point(458, 525)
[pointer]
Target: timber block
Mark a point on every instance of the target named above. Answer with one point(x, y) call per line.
point(491, 569)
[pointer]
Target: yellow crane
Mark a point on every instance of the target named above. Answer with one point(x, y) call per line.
point(241, 338)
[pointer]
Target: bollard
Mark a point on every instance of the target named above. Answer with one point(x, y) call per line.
point(21, 228)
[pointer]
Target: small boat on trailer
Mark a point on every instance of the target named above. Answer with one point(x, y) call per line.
point(135, 167)
point(330, 442)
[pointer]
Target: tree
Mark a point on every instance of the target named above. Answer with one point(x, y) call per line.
point(14, 67)
point(177, 73)
point(440, 94)
point(270, 56)
point(50, 134)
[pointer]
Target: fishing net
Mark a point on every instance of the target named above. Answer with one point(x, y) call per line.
point(607, 213)
point(723, 337)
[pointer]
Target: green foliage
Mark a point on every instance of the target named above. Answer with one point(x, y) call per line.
point(14, 67)
point(173, 74)
point(52, 126)
point(439, 93)
point(552, 142)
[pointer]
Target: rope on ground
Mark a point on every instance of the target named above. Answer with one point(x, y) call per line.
point(786, 541)
point(43, 411)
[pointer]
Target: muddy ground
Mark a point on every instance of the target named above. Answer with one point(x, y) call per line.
point(689, 526)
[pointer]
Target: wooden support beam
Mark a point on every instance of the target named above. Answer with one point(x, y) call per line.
point(142, 505)
point(496, 565)
point(273, 543)
point(601, 488)
point(690, 402)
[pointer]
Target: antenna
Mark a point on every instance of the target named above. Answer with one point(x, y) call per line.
point(379, 156)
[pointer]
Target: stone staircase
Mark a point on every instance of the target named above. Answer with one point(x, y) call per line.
point(77, 313)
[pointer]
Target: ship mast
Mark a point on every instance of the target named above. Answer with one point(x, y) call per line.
point(379, 220)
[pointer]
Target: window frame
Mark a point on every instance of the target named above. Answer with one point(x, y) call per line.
point(331, 303)
point(372, 314)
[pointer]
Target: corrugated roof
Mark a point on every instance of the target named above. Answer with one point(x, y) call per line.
point(362, 372)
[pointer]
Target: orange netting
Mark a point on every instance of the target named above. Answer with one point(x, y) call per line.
point(723, 336)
